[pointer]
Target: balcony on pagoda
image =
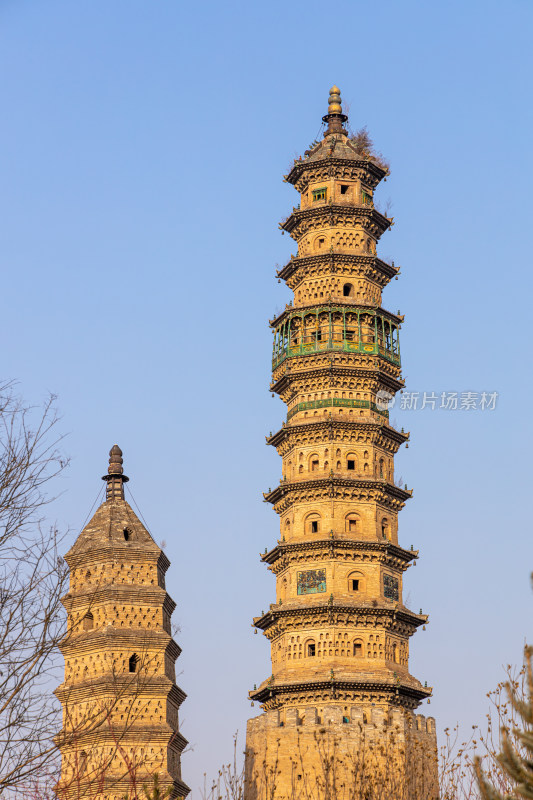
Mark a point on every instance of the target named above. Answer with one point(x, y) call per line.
point(331, 328)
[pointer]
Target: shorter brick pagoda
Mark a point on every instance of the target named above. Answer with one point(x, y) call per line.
point(119, 696)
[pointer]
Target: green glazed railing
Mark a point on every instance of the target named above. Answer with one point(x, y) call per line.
point(344, 346)
point(336, 402)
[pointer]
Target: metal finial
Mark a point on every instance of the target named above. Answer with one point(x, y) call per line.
point(115, 461)
point(334, 101)
point(115, 477)
point(335, 118)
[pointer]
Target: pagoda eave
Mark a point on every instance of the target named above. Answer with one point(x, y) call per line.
point(115, 686)
point(328, 215)
point(337, 543)
point(333, 611)
point(388, 270)
point(129, 593)
point(338, 370)
point(268, 692)
point(111, 637)
point(286, 487)
point(97, 554)
point(373, 361)
point(285, 433)
point(336, 305)
point(111, 787)
point(359, 161)
point(106, 733)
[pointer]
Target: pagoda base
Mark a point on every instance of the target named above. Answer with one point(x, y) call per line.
point(348, 754)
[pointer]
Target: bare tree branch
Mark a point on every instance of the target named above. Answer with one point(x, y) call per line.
point(33, 577)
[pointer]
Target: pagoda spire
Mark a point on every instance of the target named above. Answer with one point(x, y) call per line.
point(334, 118)
point(115, 477)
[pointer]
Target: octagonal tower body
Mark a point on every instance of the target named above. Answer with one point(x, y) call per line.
point(119, 696)
point(339, 630)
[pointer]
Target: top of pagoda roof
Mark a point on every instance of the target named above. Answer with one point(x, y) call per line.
point(114, 525)
point(338, 143)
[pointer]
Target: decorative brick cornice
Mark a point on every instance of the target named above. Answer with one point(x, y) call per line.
point(117, 686)
point(349, 166)
point(331, 425)
point(370, 264)
point(378, 488)
point(331, 613)
point(102, 553)
point(101, 640)
point(303, 220)
point(279, 693)
point(289, 373)
point(334, 544)
point(108, 592)
point(330, 306)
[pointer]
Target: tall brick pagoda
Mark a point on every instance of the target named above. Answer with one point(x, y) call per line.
point(339, 630)
point(119, 696)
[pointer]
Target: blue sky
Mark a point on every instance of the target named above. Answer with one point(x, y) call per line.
point(142, 149)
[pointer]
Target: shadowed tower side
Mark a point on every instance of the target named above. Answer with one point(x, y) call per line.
point(119, 696)
point(339, 630)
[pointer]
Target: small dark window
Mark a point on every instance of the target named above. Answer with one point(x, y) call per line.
point(319, 336)
point(314, 526)
point(357, 649)
point(344, 188)
point(134, 660)
point(350, 335)
point(347, 290)
point(127, 534)
point(314, 466)
point(311, 649)
point(355, 585)
point(351, 464)
point(321, 241)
